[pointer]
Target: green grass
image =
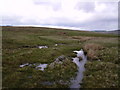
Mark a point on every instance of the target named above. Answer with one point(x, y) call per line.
point(101, 74)
point(14, 53)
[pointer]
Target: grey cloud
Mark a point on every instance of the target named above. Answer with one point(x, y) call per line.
point(56, 5)
point(86, 6)
point(31, 22)
point(41, 2)
point(92, 25)
point(101, 25)
point(16, 20)
point(11, 20)
point(107, 20)
point(98, 24)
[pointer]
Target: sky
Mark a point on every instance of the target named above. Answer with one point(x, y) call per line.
point(73, 14)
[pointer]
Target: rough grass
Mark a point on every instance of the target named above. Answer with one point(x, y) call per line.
point(15, 53)
point(101, 74)
point(92, 50)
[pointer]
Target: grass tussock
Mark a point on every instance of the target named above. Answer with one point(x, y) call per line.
point(92, 50)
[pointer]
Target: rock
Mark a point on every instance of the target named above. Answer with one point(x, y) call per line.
point(61, 58)
point(56, 44)
point(52, 65)
point(58, 60)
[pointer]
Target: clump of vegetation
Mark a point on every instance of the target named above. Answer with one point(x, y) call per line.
point(92, 50)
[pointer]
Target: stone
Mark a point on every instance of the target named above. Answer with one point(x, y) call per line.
point(61, 58)
point(58, 60)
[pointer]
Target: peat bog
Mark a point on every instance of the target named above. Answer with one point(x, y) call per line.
point(54, 47)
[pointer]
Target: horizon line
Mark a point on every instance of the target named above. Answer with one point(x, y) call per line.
point(59, 27)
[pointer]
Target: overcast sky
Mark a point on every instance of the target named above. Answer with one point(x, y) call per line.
point(60, 13)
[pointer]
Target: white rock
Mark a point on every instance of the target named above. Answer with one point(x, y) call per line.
point(56, 44)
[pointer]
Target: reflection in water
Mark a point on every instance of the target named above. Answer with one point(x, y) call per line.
point(41, 66)
point(40, 47)
point(75, 83)
point(38, 67)
point(26, 64)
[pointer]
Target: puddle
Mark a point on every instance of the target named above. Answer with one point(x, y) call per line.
point(75, 83)
point(37, 66)
point(24, 65)
point(40, 47)
point(41, 67)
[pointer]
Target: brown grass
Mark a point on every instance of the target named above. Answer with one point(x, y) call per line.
point(92, 50)
point(82, 38)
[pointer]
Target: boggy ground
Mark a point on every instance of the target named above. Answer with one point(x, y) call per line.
point(20, 46)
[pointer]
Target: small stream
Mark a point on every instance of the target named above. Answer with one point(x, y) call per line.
point(75, 83)
point(79, 60)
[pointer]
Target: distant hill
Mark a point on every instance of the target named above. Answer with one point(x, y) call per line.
point(111, 32)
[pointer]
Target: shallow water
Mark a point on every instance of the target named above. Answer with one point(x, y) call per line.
point(75, 83)
point(38, 67)
point(40, 47)
point(26, 64)
point(41, 67)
